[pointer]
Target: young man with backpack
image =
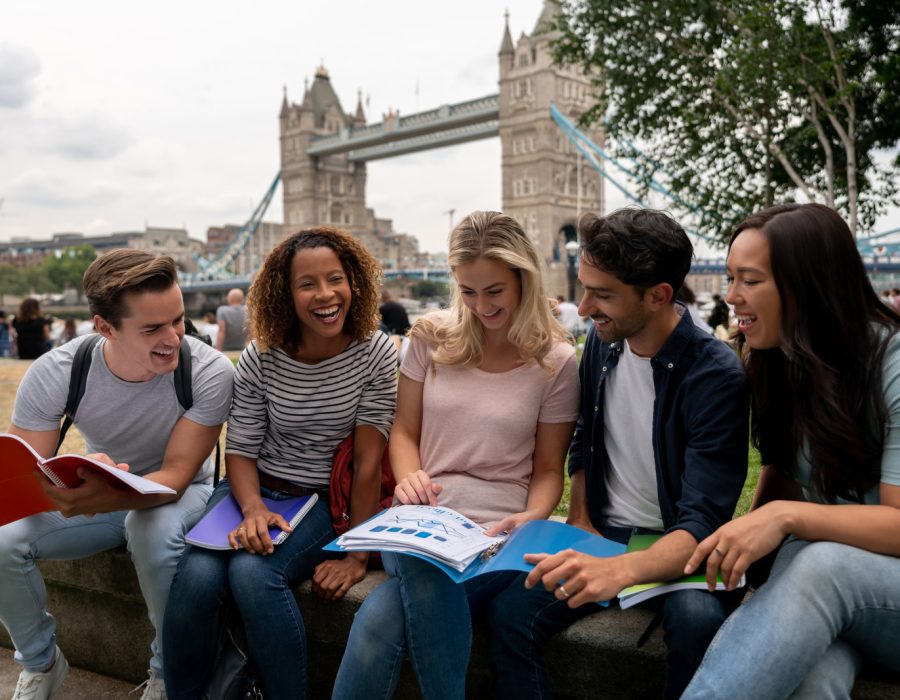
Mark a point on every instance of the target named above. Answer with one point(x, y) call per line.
point(131, 415)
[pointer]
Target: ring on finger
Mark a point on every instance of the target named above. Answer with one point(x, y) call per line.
point(719, 552)
point(562, 589)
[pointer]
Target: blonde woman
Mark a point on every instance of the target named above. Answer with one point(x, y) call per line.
point(486, 406)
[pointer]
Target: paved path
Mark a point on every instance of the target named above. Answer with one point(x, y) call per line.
point(79, 684)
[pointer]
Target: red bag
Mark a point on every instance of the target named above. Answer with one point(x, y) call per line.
point(342, 478)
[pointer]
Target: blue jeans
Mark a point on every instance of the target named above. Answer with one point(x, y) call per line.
point(521, 621)
point(805, 631)
point(261, 589)
point(155, 539)
point(420, 610)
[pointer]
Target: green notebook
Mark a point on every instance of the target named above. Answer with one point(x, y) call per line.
point(644, 591)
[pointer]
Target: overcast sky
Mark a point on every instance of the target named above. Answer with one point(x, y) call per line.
point(117, 115)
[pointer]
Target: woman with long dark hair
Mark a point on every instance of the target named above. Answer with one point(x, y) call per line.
point(823, 362)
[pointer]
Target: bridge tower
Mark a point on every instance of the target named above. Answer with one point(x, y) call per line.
point(320, 190)
point(540, 166)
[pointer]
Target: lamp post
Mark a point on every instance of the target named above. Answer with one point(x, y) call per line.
point(572, 249)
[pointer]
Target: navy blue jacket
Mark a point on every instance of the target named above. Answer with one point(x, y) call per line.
point(700, 428)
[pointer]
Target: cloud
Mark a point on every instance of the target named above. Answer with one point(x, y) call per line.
point(89, 137)
point(19, 66)
point(42, 189)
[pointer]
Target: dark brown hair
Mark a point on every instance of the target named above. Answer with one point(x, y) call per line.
point(640, 247)
point(119, 272)
point(820, 390)
point(29, 309)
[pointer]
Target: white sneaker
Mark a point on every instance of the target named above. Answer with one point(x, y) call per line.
point(42, 686)
point(154, 688)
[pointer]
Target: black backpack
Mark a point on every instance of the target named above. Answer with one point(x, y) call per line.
point(81, 365)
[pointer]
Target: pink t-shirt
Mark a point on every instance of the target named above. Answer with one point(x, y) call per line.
point(478, 428)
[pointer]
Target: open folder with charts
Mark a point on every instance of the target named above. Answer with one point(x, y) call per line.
point(459, 547)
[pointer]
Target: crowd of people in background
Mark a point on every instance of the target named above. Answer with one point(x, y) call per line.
point(28, 333)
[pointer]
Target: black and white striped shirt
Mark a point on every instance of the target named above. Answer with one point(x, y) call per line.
point(290, 416)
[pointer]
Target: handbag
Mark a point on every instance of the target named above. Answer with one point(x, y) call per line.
point(233, 676)
point(339, 489)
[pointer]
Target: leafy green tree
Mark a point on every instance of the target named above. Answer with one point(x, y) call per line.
point(36, 280)
point(738, 104)
point(427, 289)
point(66, 269)
point(12, 281)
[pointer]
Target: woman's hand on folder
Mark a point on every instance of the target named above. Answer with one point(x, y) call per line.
point(253, 533)
point(732, 548)
point(417, 488)
point(510, 523)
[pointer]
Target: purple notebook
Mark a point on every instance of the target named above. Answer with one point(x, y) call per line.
point(212, 530)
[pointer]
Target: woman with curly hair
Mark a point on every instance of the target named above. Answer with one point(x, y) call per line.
point(486, 408)
point(316, 371)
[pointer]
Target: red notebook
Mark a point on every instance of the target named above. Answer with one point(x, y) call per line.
point(21, 494)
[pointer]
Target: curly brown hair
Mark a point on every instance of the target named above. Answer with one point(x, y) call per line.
point(270, 302)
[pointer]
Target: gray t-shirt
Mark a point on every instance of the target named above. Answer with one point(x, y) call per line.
point(129, 421)
point(234, 318)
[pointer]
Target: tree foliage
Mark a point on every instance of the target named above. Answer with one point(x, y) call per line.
point(739, 104)
point(429, 289)
point(66, 269)
point(12, 281)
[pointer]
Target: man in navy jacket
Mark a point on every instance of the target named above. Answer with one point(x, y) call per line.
point(660, 446)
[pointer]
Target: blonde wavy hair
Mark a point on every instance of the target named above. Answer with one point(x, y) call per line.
point(458, 337)
point(270, 303)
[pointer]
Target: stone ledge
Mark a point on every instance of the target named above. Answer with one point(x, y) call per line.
point(103, 627)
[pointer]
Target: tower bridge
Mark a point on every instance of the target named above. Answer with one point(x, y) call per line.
point(447, 125)
point(325, 149)
point(545, 186)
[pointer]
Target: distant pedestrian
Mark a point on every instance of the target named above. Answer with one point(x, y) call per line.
point(69, 332)
point(895, 298)
point(686, 296)
point(720, 315)
point(569, 318)
point(209, 327)
point(5, 335)
point(32, 330)
point(231, 320)
point(393, 315)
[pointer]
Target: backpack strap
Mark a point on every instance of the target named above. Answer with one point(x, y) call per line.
point(183, 389)
point(81, 366)
point(185, 393)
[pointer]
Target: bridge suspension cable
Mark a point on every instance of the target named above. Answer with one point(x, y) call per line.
point(588, 149)
point(216, 268)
